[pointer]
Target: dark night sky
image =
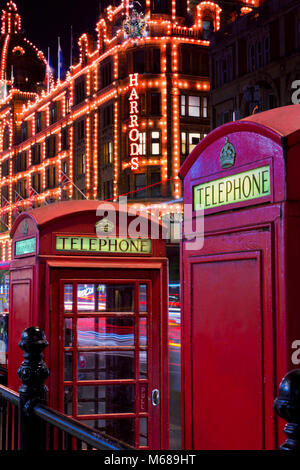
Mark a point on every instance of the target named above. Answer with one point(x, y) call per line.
point(44, 20)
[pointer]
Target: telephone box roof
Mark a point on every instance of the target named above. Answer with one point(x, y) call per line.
point(276, 124)
point(46, 214)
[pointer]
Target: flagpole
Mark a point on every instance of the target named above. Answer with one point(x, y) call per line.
point(72, 182)
point(48, 71)
point(58, 60)
point(71, 52)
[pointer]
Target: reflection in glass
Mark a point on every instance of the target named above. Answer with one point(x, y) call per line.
point(68, 333)
point(68, 297)
point(104, 399)
point(105, 298)
point(143, 332)
point(106, 365)
point(68, 401)
point(143, 298)
point(143, 432)
point(101, 332)
point(86, 297)
point(68, 366)
point(121, 429)
point(143, 365)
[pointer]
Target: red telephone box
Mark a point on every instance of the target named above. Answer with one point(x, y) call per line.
point(241, 289)
point(103, 303)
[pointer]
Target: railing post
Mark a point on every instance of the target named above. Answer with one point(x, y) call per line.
point(33, 372)
point(287, 406)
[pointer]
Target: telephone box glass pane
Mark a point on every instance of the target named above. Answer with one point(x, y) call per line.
point(103, 332)
point(68, 333)
point(105, 298)
point(144, 432)
point(106, 365)
point(68, 298)
point(68, 366)
point(68, 401)
point(143, 332)
point(143, 298)
point(143, 365)
point(86, 298)
point(106, 399)
point(121, 429)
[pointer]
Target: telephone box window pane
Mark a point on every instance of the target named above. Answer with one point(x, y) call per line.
point(143, 298)
point(106, 399)
point(68, 298)
point(143, 365)
point(68, 367)
point(115, 298)
point(121, 429)
point(68, 333)
point(103, 332)
point(106, 365)
point(86, 297)
point(144, 432)
point(68, 401)
point(143, 332)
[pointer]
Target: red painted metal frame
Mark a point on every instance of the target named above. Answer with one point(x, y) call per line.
point(45, 269)
point(270, 226)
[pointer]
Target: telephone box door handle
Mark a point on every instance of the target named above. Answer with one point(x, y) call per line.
point(155, 397)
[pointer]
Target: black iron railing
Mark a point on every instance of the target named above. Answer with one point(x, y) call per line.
point(26, 423)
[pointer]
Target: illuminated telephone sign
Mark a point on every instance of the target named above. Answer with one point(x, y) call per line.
point(134, 134)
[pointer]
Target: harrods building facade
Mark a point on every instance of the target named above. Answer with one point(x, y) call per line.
point(130, 109)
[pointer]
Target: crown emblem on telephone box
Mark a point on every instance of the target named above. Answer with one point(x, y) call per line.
point(227, 156)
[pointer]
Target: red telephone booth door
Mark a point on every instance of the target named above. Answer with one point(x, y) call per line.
point(232, 342)
point(109, 340)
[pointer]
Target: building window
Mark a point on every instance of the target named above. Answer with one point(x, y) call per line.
point(51, 146)
point(182, 105)
point(155, 143)
point(20, 162)
point(189, 140)
point(191, 106)
point(259, 56)
point(208, 28)
point(140, 183)
point(106, 76)
point(155, 180)
point(64, 139)
point(142, 146)
point(6, 138)
point(184, 146)
point(38, 122)
point(107, 153)
point(107, 189)
point(266, 50)
point(50, 177)
point(204, 106)
point(80, 92)
point(53, 113)
point(81, 165)
point(64, 167)
point(251, 58)
point(5, 169)
point(156, 61)
point(107, 116)
point(24, 131)
point(194, 106)
point(80, 130)
point(139, 61)
point(36, 154)
point(155, 104)
point(36, 182)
